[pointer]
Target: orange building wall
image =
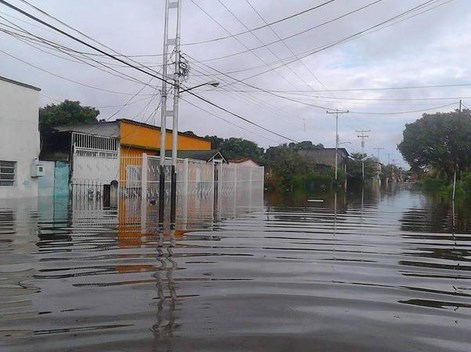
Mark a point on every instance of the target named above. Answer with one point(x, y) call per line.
point(147, 137)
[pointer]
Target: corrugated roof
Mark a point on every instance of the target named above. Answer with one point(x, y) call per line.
point(104, 129)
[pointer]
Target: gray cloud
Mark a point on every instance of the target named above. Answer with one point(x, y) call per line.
point(429, 49)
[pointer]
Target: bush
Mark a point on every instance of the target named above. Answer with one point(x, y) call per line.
point(433, 184)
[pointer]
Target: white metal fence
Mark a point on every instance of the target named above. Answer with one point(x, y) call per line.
point(204, 190)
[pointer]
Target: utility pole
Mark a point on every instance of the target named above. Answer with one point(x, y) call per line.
point(378, 168)
point(337, 112)
point(171, 46)
point(378, 149)
point(363, 136)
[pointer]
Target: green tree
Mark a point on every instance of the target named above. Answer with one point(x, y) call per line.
point(285, 164)
point(66, 113)
point(237, 148)
point(354, 167)
point(305, 145)
point(441, 141)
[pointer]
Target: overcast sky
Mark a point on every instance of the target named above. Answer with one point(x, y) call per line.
point(369, 57)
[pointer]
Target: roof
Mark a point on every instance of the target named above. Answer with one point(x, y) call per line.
point(244, 161)
point(323, 150)
point(137, 123)
point(111, 129)
point(103, 129)
point(205, 155)
point(19, 83)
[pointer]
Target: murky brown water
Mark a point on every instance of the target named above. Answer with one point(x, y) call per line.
point(373, 271)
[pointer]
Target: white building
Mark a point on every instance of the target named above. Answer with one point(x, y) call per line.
point(19, 139)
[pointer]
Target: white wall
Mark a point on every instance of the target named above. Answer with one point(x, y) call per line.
point(19, 136)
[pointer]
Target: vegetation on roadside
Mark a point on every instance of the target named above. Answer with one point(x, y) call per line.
point(438, 148)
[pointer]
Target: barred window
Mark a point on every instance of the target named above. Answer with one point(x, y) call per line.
point(7, 173)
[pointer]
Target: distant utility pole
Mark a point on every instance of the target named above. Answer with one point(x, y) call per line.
point(378, 149)
point(363, 136)
point(337, 112)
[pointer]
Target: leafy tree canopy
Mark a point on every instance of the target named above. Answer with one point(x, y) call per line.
point(305, 145)
point(237, 148)
point(354, 167)
point(441, 141)
point(66, 113)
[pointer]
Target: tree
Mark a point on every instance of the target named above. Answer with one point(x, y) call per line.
point(305, 145)
point(237, 148)
point(441, 141)
point(66, 113)
point(354, 167)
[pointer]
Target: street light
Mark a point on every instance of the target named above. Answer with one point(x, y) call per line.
point(173, 184)
point(210, 83)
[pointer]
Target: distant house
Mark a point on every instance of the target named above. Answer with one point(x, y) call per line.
point(326, 157)
point(244, 162)
point(203, 155)
point(19, 139)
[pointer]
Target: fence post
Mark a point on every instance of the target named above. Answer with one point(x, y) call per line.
point(235, 187)
point(144, 173)
point(185, 178)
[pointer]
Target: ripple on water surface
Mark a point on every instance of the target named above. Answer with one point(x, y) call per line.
point(377, 272)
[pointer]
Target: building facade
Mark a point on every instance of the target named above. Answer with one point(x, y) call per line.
point(20, 168)
point(326, 157)
point(104, 154)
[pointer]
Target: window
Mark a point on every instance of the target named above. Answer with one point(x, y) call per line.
point(7, 173)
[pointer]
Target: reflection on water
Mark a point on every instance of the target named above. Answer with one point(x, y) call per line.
point(373, 270)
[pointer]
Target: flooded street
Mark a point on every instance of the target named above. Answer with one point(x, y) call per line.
point(370, 271)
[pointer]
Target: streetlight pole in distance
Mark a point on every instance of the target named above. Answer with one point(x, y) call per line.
point(337, 112)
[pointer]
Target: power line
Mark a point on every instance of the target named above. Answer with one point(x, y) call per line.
point(373, 89)
point(229, 122)
point(240, 41)
point(264, 90)
point(289, 49)
point(400, 112)
point(62, 77)
point(260, 27)
point(240, 117)
point(136, 68)
point(65, 50)
point(297, 33)
point(340, 41)
point(81, 41)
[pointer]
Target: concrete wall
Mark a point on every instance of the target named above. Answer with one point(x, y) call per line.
point(46, 183)
point(324, 156)
point(19, 135)
point(147, 137)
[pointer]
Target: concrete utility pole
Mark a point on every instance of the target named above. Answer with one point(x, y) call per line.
point(337, 112)
point(378, 168)
point(171, 46)
point(378, 149)
point(363, 136)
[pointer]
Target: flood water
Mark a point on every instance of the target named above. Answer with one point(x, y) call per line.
point(378, 270)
